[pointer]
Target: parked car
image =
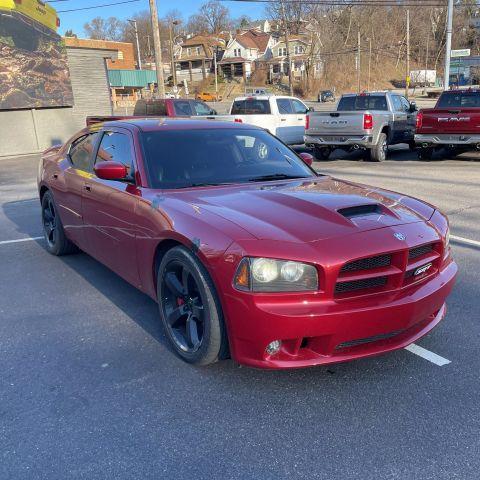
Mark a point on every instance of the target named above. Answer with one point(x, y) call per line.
point(208, 97)
point(164, 107)
point(454, 123)
point(283, 116)
point(246, 249)
point(326, 96)
point(367, 121)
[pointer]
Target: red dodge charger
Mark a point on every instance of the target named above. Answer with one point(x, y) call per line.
point(247, 250)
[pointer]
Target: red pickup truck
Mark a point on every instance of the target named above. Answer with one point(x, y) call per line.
point(454, 123)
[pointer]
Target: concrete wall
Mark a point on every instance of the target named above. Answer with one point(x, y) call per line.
point(28, 131)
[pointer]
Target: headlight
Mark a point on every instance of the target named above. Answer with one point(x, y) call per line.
point(271, 275)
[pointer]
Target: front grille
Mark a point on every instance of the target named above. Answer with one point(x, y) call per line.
point(419, 251)
point(368, 263)
point(363, 341)
point(343, 287)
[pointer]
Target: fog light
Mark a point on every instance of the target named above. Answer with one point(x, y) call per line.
point(273, 347)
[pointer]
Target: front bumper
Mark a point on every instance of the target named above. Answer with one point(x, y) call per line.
point(319, 332)
point(365, 141)
point(447, 139)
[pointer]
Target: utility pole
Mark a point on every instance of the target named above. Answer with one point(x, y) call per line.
point(369, 62)
point(448, 53)
point(215, 53)
point(158, 48)
point(172, 53)
point(407, 63)
point(287, 45)
point(134, 23)
point(359, 69)
point(426, 60)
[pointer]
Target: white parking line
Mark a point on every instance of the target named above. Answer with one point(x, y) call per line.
point(465, 240)
point(427, 355)
point(20, 240)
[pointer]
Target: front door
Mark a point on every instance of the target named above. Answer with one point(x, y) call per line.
point(109, 208)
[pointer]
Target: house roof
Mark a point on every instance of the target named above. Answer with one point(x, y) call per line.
point(229, 60)
point(208, 42)
point(253, 39)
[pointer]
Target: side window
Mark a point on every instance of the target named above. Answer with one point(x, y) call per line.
point(284, 106)
point(183, 108)
point(397, 103)
point(405, 104)
point(81, 152)
point(201, 108)
point(116, 147)
point(299, 107)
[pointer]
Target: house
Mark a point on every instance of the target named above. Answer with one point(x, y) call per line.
point(244, 51)
point(261, 25)
point(195, 57)
point(302, 59)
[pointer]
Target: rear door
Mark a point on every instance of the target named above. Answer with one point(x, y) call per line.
point(109, 208)
point(286, 120)
point(68, 188)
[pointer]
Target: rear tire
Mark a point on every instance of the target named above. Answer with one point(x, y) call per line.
point(379, 152)
point(322, 153)
point(425, 154)
point(189, 308)
point(57, 242)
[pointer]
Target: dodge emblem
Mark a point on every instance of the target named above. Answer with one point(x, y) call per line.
point(399, 236)
point(423, 269)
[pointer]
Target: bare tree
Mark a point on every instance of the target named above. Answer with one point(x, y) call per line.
point(216, 15)
point(105, 29)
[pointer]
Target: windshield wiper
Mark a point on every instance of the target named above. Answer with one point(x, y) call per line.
point(275, 176)
point(206, 184)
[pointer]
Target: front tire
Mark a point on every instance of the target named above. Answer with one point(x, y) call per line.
point(425, 154)
point(57, 242)
point(189, 308)
point(379, 152)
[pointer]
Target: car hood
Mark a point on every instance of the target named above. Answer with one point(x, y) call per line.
point(307, 210)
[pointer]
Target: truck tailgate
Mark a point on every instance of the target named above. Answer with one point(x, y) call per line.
point(442, 120)
point(336, 123)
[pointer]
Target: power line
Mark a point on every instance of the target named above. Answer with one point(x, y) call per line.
point(95, 6)
point(360, 3)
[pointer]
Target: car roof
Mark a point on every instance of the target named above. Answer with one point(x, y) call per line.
point(152, 124)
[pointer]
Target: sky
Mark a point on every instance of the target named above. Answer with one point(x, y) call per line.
point(76, 20)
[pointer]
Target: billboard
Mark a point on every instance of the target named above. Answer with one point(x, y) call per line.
point(33, 61)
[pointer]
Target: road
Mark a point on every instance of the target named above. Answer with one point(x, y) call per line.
point(90, 389)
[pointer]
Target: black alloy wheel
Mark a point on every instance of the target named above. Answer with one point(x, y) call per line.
point(189, 308)
point(55, 238)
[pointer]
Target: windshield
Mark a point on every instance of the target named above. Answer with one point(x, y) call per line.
point(185, 158)
point(362, 102)
point(459, 100)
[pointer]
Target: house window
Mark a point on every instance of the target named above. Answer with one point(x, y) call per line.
point(237, 52)
point(120, 55)
point(298, 49)
point(189, 51)
point(199, 51)
point(282, 52)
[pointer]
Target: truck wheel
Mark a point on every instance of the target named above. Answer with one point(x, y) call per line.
point(412, 145)
point(322, 153)
point(425, 154)
point(379, 152)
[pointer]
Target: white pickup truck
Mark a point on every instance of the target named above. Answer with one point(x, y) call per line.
point(282, 116)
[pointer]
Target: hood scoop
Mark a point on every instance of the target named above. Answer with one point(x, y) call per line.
point(361, 210)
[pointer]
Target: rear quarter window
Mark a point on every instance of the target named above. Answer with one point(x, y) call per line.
point(251, 107)
point(363, 102)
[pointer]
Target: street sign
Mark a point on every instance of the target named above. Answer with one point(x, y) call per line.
point(461, 53)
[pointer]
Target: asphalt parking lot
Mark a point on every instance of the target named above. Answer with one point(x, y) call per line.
point(90, 389)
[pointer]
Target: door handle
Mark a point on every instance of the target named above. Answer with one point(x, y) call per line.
point(283, 119)
point(300, 118)
point(88, 188)
point(55, 176)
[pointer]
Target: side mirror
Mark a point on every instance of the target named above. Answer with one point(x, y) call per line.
point(413, 107)
point(110, 170)
point(310, 109)
point(307, 158)
point(213, 112)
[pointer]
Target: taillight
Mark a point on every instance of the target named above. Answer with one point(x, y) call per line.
point(367, 121)
point(307, 122)
point(419, 121)
point(238, 120)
